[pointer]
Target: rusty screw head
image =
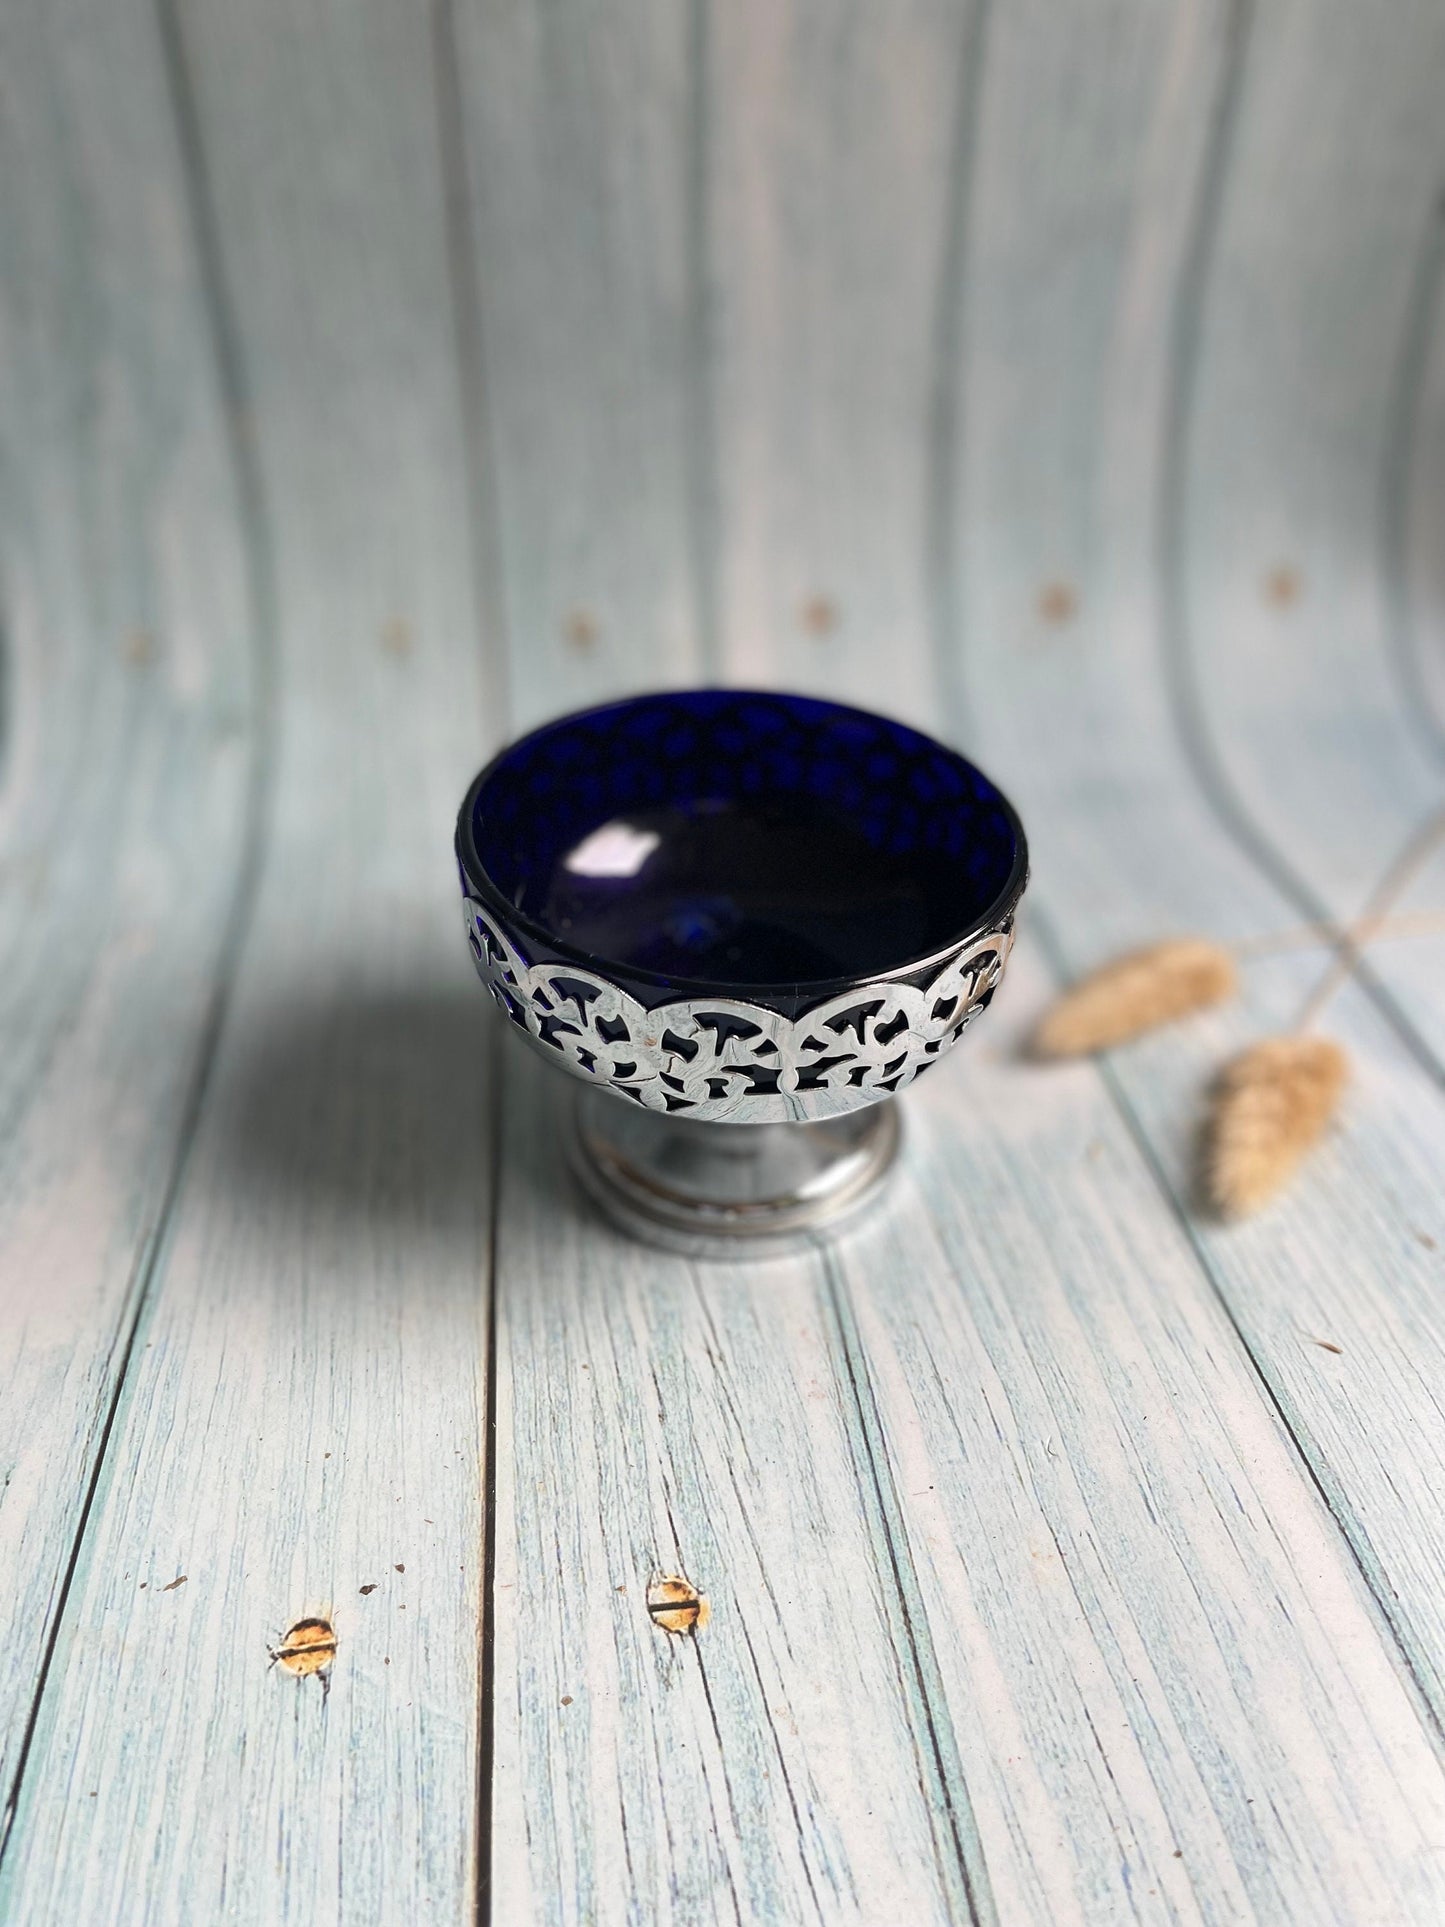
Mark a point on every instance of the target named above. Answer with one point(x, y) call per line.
point(309, 1647)
point(675, 1604)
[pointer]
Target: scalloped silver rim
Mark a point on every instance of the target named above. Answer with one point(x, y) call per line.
point(724, 1060)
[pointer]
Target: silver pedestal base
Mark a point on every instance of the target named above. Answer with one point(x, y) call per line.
point(728, 1190)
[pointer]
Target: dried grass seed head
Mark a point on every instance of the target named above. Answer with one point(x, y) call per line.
point(1272, 1105)
point(1136, 993)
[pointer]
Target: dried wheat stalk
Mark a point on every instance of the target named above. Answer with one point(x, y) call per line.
point(1272, 1104)
point(1275, 1101)
point(1135, 993)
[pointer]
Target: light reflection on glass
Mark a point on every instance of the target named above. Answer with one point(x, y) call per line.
point(616, 850)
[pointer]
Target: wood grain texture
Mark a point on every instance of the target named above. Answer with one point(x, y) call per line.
point(830, 168)
point(128, 635)
point(1166, 1676)
point(1069, 379)
point(652, 1414)
point(583, 134)
point(1083, 724)
point(656, 1415)
point(1410, 498)
point(301, 1428)
point(1285, 415)
point(1058, 412)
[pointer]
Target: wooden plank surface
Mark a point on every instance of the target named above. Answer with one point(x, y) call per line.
point(1068, 380)
point(1279, 538)
point(1410, 495)
point(655, 1415)
point(1165, 1674)
point(1084, 721)
point(130, 697)
point(300, 1430)
point(792, 434)
point(1048, 560)
point(582, 134)
point(830, 167)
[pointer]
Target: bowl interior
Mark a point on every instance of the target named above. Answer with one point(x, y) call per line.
point(736, 838)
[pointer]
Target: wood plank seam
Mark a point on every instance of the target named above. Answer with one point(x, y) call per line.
point(480, 454)
point(1398, 478)
point(469, 354)
point(957, 1843)
point(942, 483)
point(702, 465)
point(486, 1593)
point(485, 543)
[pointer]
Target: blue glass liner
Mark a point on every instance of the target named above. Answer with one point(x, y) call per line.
point(736, 843)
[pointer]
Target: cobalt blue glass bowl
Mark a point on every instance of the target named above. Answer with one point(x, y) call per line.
point(737, 907)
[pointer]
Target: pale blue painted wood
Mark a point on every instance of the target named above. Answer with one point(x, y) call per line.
point(301, 1427)
point(1165, 1677)
point(584, 133)
point(830, 168)
point(1309, 264)
point(787, 1767)
point(1068, 242)
point(659, 1415)
point(1129, 844)
point(1412, 508)
point(128, 704)
point(1045, 1541)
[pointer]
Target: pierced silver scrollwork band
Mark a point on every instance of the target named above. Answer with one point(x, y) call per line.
point(724, 1060)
